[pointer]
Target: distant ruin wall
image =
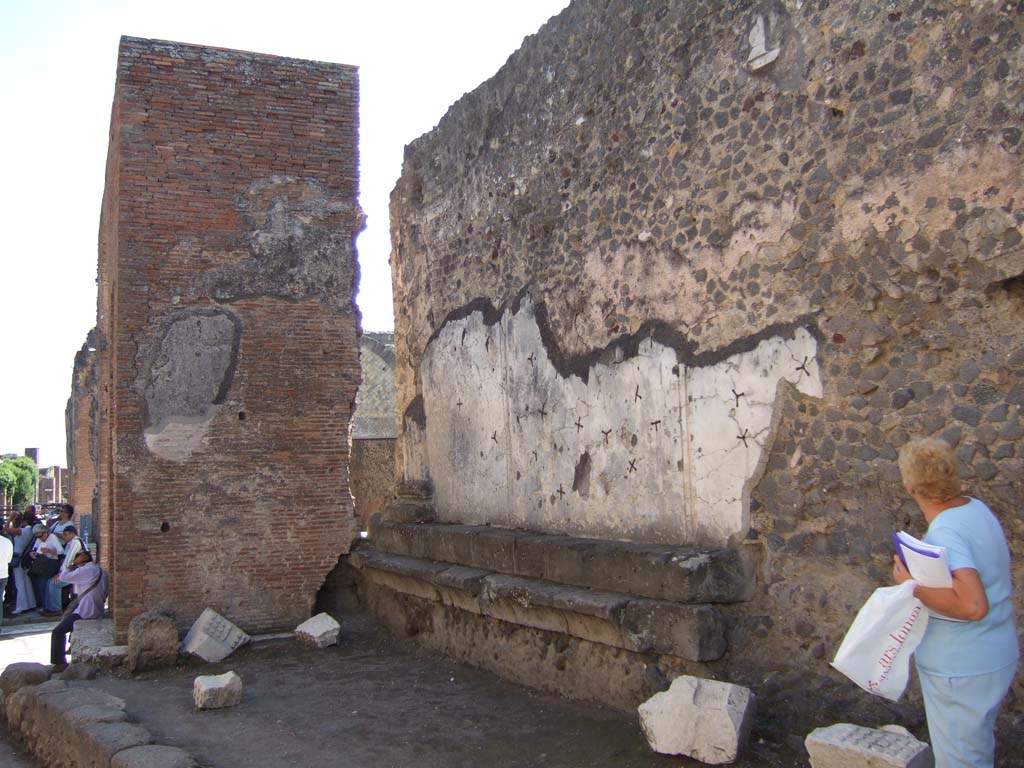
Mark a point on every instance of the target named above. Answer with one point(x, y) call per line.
point(372, 475)
point(227, 279)
point(590, 246)
point(82, 430)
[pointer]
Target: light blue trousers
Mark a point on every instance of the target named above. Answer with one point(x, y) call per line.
point(52, 596)
point(962, 716)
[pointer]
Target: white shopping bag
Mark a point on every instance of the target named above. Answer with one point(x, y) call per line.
point(876, 651)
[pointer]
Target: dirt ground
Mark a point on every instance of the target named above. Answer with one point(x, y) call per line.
point(376, 702)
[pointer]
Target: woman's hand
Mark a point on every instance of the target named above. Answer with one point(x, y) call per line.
point(899, 571)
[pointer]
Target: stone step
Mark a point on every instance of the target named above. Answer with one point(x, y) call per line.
point(635, 623)
point(646, 570)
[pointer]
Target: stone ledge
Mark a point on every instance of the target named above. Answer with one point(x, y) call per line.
point(646, 570)
point(692, 632)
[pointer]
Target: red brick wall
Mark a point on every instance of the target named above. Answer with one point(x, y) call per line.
point(231, 200)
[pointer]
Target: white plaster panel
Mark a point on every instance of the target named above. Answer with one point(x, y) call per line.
point(655, 449)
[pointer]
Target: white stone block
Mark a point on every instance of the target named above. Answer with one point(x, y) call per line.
point(319, 632)
point(217, 691)
point(213, 638)
point(852, 746)
point(707, 720)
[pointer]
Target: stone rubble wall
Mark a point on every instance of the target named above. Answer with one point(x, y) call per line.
point(647, 185)
point(82, 429)
point(372, 477)
point(230, 359)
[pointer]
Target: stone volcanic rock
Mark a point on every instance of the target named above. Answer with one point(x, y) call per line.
point(23, 673)
point(217, 691)
point(320, 631)
point(707, 720)
point(152, 641)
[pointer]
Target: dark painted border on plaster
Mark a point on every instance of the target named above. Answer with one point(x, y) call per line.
point(416, 412)
point(656, 330)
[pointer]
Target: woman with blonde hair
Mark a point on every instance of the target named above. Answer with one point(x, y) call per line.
point(969, 655)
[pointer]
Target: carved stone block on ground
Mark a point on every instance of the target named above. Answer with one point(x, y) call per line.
point(320, 631)
point(845, 745)
point(153, 756)
point(707, 720)
point(23, 673)
point(152, 641)
point(217, 691)
point(213, 638)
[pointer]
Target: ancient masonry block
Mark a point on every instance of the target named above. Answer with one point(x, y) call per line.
point(152, 641)
point(704, 719)
point(217, 691)
point(320, 631)
point(213, 638)
point(852, 746)
point(228, 357)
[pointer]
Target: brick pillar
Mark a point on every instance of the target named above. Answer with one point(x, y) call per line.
point(228, 332)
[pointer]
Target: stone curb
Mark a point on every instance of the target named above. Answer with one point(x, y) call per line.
point(95, 731)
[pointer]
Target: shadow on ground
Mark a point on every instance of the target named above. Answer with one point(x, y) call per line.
point(375, 701)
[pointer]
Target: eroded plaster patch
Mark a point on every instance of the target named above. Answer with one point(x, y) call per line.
point(185, 374)
point(644, 448)
point(299, 245)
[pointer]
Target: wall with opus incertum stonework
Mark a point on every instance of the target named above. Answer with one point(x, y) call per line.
point(692, 272)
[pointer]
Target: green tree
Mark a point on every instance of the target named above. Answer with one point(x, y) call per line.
point(8, 479)
point(19, 477)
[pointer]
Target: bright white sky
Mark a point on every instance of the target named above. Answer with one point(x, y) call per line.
point(58, 61)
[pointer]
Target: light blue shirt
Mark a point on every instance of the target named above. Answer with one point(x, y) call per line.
point(974, 539)
point(23, 540)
